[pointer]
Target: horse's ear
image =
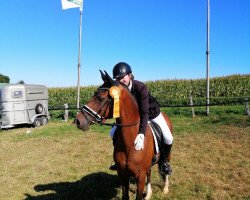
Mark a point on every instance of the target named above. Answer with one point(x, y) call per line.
point(104, 78)
point(109, 79)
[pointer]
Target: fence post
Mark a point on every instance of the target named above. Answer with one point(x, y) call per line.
point(246, 106)
point(191, 103)
point(66, 112)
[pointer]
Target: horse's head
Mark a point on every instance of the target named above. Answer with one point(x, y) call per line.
point(100, 107)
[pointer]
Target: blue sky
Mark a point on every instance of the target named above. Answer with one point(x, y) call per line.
point(160, 39)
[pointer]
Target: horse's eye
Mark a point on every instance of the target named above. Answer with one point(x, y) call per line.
point(101, 98)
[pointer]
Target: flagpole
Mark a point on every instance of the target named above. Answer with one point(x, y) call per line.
point(208, 55)
point(79, 62)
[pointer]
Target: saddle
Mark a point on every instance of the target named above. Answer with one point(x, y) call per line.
point(158, 139)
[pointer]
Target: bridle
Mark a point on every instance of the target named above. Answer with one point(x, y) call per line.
point(88, 112)
point(97, 118)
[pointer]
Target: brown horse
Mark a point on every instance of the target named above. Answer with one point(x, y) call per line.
point(129, 161)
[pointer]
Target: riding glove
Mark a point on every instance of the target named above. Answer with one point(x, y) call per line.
point(139, 142)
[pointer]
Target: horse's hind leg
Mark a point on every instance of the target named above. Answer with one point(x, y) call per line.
point(164, 178)
point(166, 184)
point(149, 189)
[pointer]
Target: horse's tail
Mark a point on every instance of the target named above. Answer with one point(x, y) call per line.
point(160, 163)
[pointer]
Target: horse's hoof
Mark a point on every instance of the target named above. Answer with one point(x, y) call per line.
point(147, 196)
point(165, 191)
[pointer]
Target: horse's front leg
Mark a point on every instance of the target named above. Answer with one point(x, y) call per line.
point(124, 178)
point(140, 179)
point(149, 189)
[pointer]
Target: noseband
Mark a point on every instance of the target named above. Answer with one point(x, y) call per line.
point(87, 110)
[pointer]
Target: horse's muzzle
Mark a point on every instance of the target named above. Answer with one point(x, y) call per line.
point(81, 126)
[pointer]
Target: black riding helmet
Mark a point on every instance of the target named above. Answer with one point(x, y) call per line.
point(121, 69)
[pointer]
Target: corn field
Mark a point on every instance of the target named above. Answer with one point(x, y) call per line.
point(228, 89)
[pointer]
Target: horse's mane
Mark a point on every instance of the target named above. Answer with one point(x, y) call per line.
point(129, 93)
point(125, 87)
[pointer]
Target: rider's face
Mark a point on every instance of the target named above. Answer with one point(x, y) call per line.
point(125, 79)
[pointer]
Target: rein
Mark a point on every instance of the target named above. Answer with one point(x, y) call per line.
point(119, 125)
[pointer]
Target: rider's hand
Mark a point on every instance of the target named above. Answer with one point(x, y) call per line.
point(139, 142)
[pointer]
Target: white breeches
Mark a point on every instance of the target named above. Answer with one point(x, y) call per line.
point(167, 136)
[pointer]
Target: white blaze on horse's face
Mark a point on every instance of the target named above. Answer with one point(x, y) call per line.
point(125, 80)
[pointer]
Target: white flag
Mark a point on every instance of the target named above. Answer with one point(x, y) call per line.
point(72, 4)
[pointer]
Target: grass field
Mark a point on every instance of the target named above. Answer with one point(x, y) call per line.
point(211, 160)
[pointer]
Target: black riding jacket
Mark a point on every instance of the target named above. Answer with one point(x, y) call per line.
point(147, 104)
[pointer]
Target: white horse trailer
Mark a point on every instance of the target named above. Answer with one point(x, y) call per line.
point(23, 104)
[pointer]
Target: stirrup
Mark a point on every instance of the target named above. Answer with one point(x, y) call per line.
point(113, 167)
point(166, 169)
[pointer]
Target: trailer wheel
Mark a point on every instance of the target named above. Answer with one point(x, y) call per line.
point(37, 122)
point(39, 108)
point(44, 120)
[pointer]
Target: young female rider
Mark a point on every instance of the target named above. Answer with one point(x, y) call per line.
point(149, 111)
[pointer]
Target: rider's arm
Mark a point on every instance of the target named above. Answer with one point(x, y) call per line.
point(143, 105)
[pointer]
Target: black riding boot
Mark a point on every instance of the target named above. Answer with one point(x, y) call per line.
point(165, 167)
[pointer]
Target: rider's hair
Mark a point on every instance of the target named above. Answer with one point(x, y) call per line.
point(131, 76)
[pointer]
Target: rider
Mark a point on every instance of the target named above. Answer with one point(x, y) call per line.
point(149, 111)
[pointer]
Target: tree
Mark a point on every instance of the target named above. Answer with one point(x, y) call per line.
point(4, 79)
point(21, 82)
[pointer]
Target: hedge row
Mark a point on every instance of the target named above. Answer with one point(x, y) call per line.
point(169, 92)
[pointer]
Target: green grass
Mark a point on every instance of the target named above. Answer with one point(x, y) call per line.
point(210, 160)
